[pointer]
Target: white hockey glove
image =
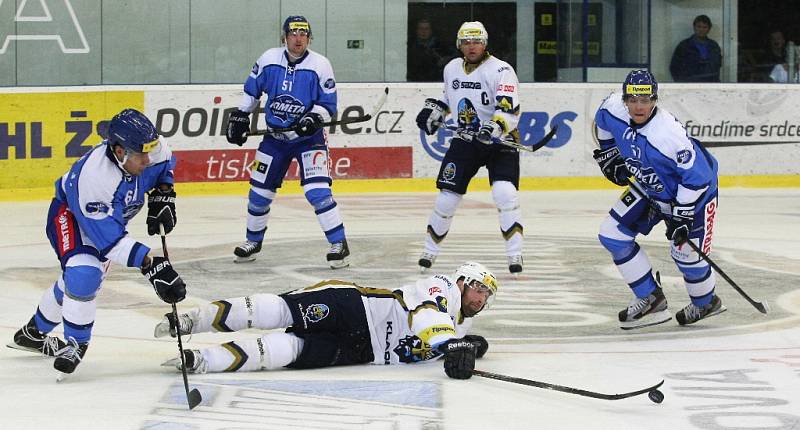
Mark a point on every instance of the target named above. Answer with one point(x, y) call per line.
point(489, 131)
point(430, 117)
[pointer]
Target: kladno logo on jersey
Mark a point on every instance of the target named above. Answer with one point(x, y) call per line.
point(412, 349)
point(286, 107)
point(316, 312)
point(467, 115)
point(449, 173)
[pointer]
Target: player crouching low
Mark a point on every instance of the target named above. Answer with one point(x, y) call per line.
point(337, 323)
point(87, 227)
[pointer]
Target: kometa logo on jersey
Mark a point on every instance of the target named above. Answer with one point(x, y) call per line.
point(286, 107)
point(646, 176)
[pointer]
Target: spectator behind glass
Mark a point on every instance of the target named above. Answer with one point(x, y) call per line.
point(767, 59)
point(697, 58)
point(427, 56)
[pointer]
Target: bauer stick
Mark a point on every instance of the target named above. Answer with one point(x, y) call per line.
point(762, 307)
point(652, 392)
point(343, 121)
point(533, 148)
point(192, 397)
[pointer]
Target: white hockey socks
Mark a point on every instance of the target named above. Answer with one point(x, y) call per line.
point(439, 222)
point(506, 198)
point(271, 351)
point(262, 311)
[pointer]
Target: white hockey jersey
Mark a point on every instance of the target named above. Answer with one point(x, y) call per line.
point(408, 323)
point(490, 92)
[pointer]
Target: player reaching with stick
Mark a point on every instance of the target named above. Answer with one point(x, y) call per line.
point(86, 225)
point(337, 323)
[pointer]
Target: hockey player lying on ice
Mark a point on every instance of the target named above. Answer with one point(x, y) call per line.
point(337, 323)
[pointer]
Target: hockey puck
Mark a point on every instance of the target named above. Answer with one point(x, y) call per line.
point(656, 396)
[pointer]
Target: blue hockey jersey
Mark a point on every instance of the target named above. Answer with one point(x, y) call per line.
point(671, 166)
point(103, 198)
point(292, 88)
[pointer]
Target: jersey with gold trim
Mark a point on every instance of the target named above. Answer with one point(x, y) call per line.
point(490, 92)
point(407, 326)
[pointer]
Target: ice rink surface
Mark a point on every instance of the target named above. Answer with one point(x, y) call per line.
point(556, 323)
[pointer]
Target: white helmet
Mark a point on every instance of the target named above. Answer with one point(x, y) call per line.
point(472, 30)
point(477, 272)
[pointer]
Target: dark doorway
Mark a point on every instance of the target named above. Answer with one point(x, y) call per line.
point(759, 21)
point(500, 20)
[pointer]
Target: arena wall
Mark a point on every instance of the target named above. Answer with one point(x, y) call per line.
point(753, 130)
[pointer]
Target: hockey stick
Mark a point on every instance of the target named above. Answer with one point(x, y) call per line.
point(343, 121)
point(762, 307)
point(653, 393)
point(533, 148)
point(192, 397)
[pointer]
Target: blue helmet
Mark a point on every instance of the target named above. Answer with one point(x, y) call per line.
point(133, 131)
point(296, 22)
point(640, 83)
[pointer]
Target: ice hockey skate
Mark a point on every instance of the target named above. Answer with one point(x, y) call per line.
point(30, 339)
point(195, 363)
point(515, 264)
point(691, 313)
point(166, 327)
point(651, 310)
point(425, 262)
point(68, 357)
point(337, 255)
point(247, 251)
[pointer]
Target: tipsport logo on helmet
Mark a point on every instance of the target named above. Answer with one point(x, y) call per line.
point(640, 89)
point(286, 107)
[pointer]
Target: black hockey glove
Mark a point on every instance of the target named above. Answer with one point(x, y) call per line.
point(430, 117)
point(480, 344)
point(161, 211)
point(309, 124)
point(489, 131)
point(168, 285)
point(612, 165)
point(459, 358)
point(679, 226)
point(238, 127)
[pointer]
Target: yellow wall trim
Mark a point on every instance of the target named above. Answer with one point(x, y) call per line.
point(419, 185)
